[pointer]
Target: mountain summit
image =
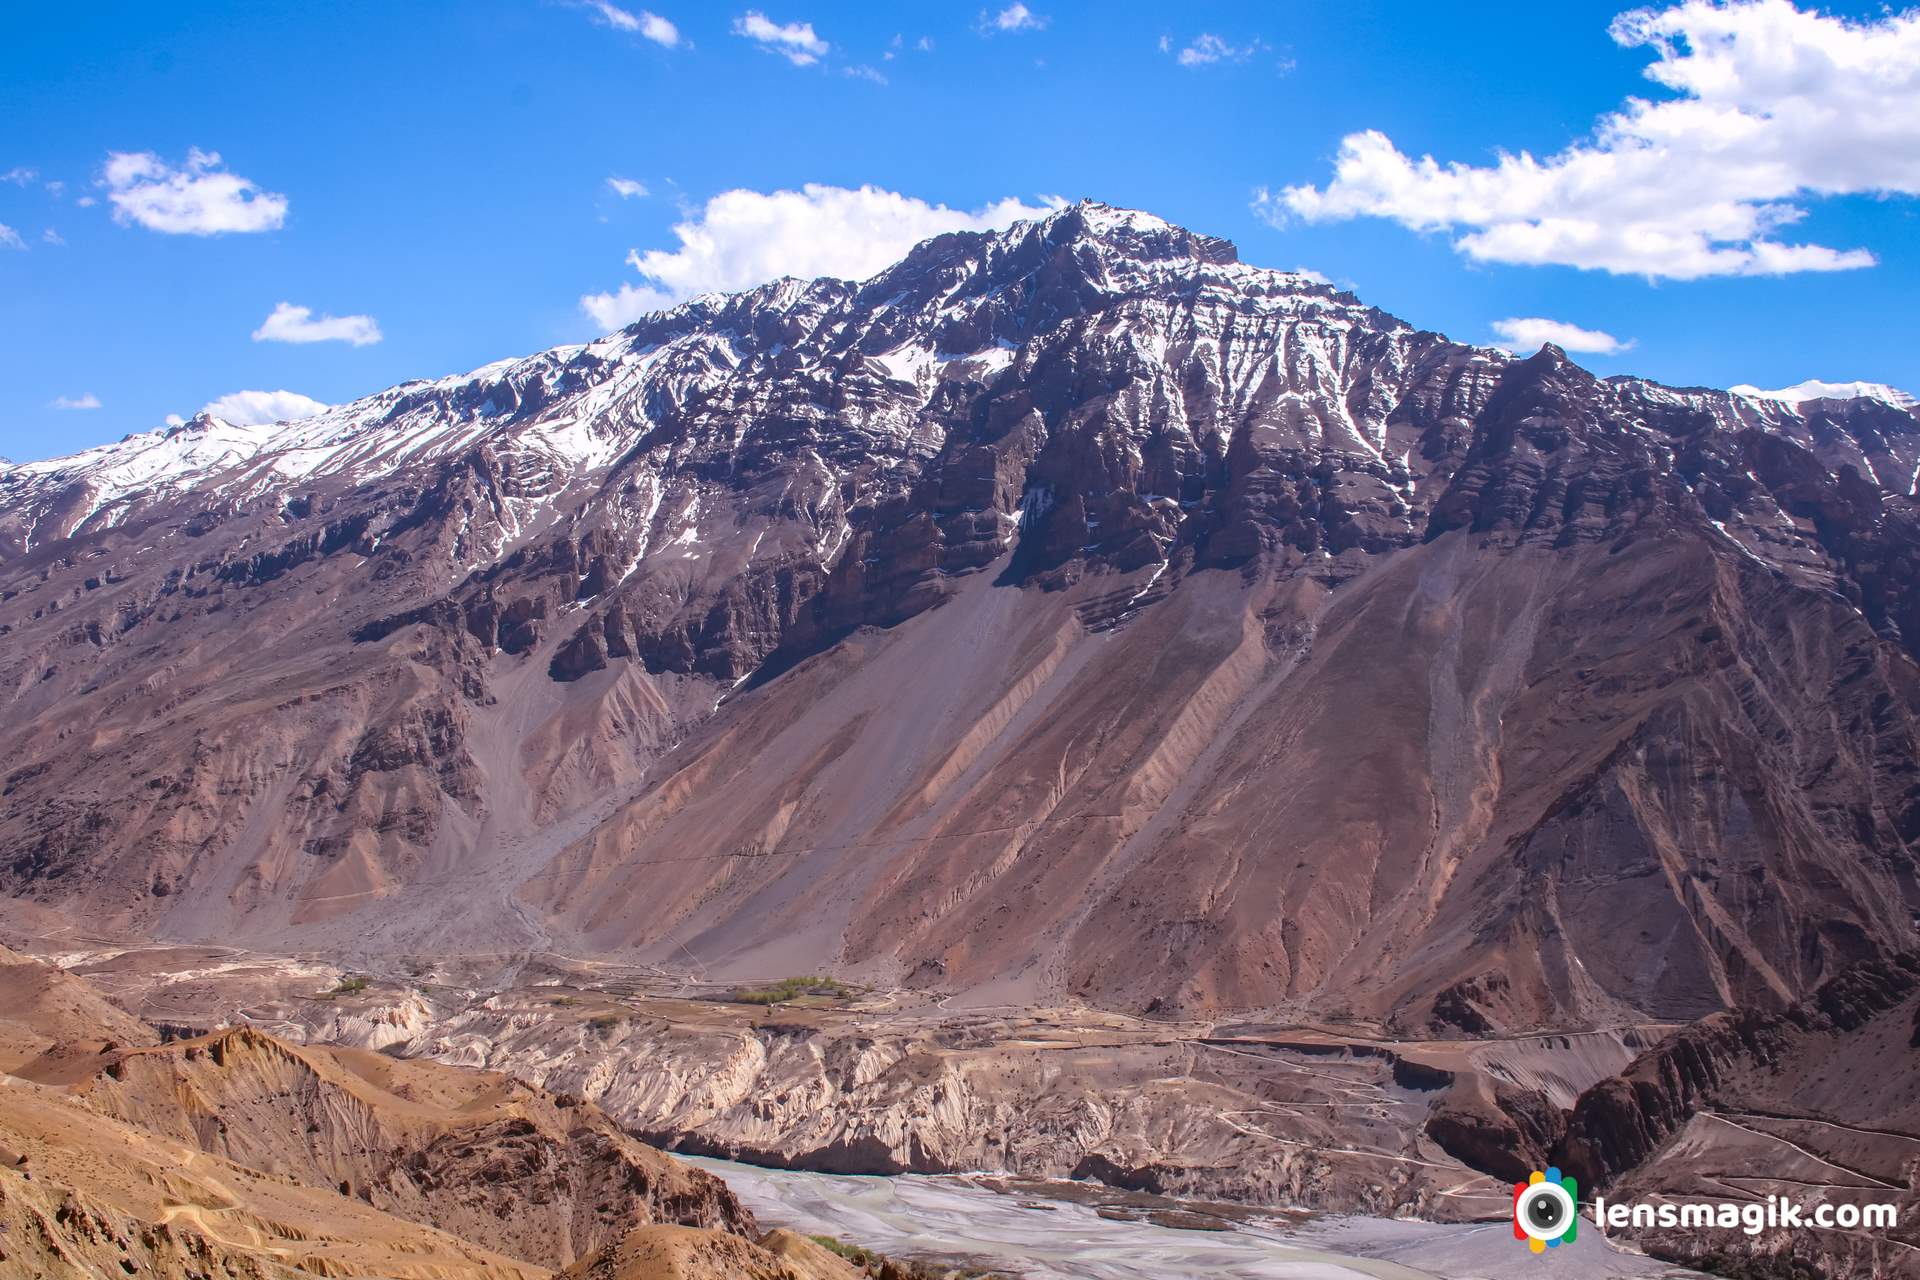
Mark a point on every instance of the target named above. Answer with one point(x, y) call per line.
point(1068, 612)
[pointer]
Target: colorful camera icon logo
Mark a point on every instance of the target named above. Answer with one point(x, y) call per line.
point(1545, 1210)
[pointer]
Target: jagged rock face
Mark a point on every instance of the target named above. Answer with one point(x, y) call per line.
point(1745, 1059)
point(549, 1180)
point(1496, 1128)
point(1116, 621)
point(1140, 1107)
point(1816, 1103)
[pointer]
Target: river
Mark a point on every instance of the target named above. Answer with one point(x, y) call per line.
point(961, 1220)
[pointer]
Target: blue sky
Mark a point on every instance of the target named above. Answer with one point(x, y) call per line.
point(445, 173)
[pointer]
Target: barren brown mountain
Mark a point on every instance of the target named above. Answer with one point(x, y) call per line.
point(1824, 1094)
point(1069, 613)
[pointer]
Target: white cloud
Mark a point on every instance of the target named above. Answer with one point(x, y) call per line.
point(627, 188)
point(257, 408)
point(50, 236)
point(614, 16)
point(289, 323)
point(56, 189)
point(624, 305)
point(924, 44)
point(659, 30)
point(794, 41)
point(1770, 104)
point(19, 175)
point(1208, 48)
point(86, 401)
point(865, 73)
point(744, 238)
point(10, 239)
point(1530, 333)
point(650, 25)
point(86, 202)
point(198, 199)
point(1015, 17)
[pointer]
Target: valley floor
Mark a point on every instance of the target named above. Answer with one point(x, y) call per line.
point(1111, 1145)
point(1183, 1139)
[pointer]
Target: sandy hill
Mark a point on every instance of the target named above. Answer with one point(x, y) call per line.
point(240, 1156)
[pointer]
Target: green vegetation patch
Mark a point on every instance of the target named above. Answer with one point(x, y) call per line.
point(793, 989)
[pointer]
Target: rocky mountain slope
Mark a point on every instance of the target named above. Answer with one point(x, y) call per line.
point(239, 1155)
point(680, 1253)
point(548, 1179)
point(52, 1024)
point(1070, 613)
point(1817, 1103)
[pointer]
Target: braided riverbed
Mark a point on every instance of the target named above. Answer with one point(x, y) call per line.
point(1023, 1231)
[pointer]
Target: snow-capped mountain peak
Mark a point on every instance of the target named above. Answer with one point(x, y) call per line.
point(1815, 389)
point(1089, 314)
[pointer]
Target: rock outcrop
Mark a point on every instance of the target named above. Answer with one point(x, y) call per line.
point(1496, 1128)
point(1817, 1104)
point(1745, 1059)
point(531, 1175)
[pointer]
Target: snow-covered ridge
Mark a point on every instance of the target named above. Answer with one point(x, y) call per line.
point(146, 456)
point(854, 368)
point(581, 405)
point(1814, 389)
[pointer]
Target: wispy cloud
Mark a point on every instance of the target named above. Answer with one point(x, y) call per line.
point(794, 41)
point(627, 188)
point(20, 175)
point(1015, 17)
point(1207, 48)
point(199, 198)
point(865, 73)
point(10, 239)
point(744, 238)
point(86, 401)
point(289, 323)
point(1771, 104)
point(1530, 333)
point(50, 236)
point(650, 25)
